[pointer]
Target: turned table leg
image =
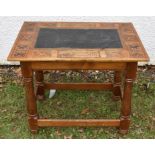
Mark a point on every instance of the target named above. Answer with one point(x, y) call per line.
point(126, 101)
point(117, 86)
point(30, 96)
point(40, 92)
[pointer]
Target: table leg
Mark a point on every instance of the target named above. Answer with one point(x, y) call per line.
point(30, 97)
point(126, 101)
point(117, 86)
point(40, 92)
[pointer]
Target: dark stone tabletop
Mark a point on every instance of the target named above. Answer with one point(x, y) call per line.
point(78, 38)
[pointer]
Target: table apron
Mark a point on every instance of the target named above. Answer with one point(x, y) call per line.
point(41, 65)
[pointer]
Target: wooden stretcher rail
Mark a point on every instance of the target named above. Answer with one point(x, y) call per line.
point(79, 86)
point(78, 122)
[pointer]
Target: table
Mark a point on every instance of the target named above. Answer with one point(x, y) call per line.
point(78, 46)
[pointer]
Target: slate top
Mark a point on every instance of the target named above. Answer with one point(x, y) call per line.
point(78, 38)
point(78, 41)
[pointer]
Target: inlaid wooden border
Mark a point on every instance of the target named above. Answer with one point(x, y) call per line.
point(23, 49)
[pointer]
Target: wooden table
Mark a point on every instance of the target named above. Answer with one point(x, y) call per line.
point(79, 46)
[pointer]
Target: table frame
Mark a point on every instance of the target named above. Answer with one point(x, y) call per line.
point(129, 70)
